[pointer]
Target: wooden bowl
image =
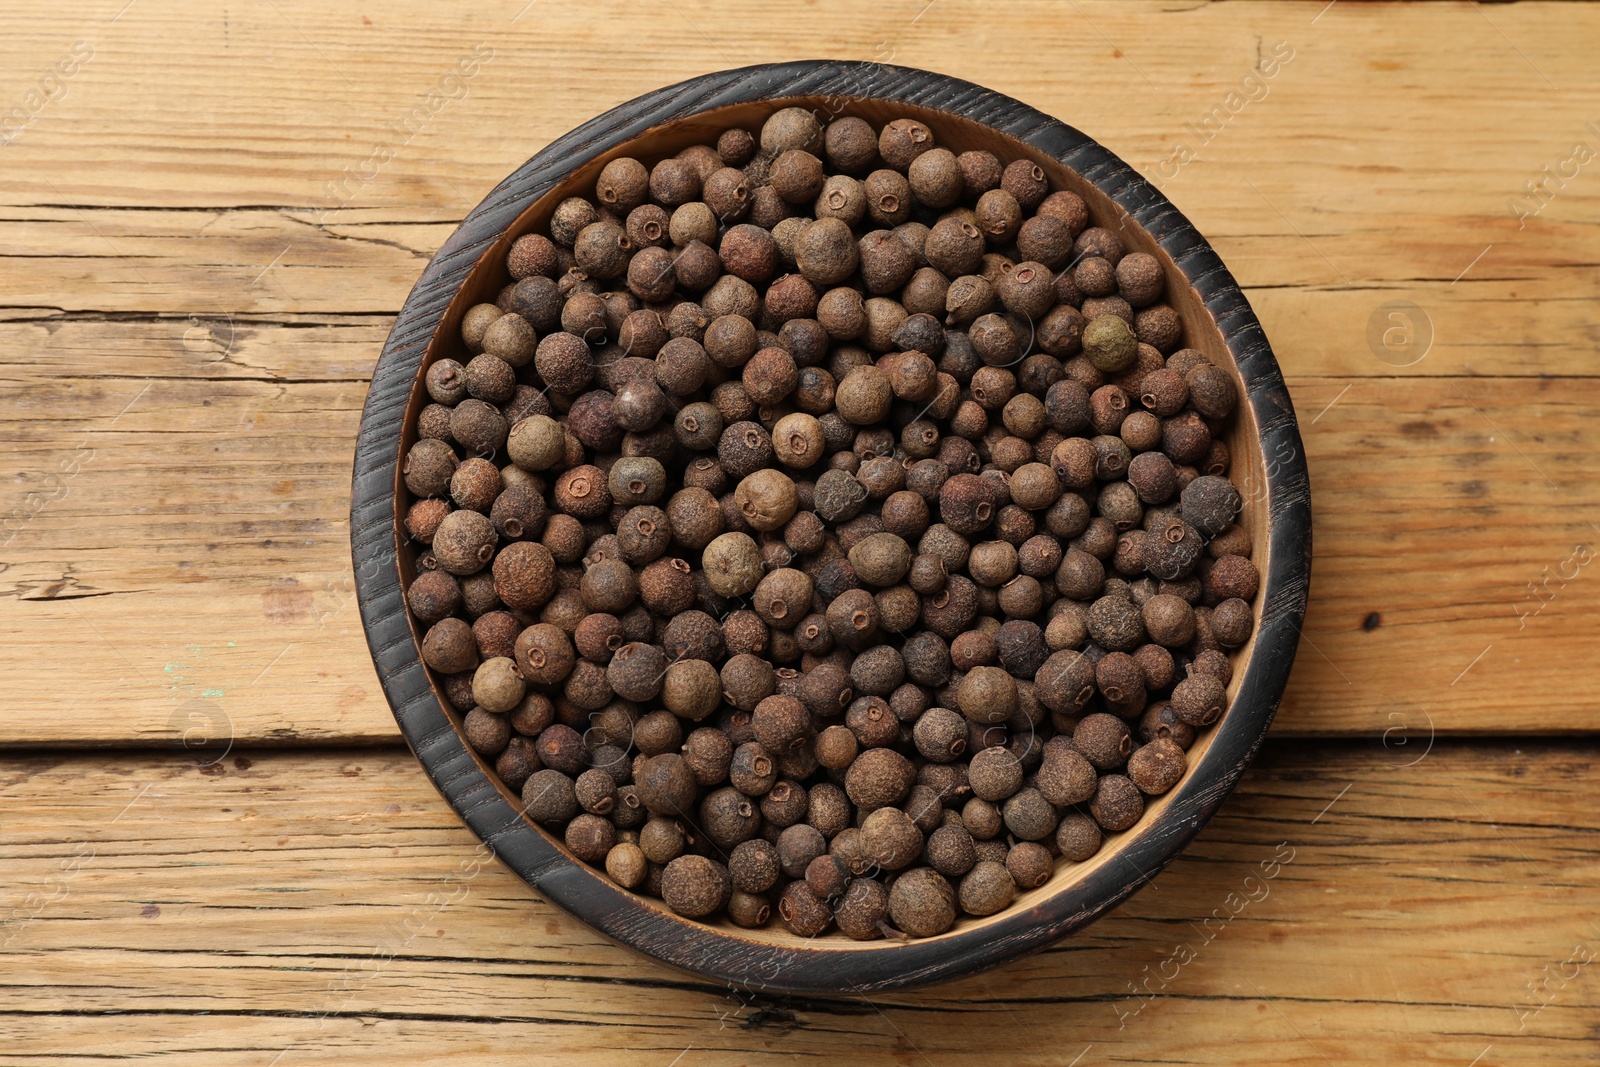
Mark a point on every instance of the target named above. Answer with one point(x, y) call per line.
point(1268, 465)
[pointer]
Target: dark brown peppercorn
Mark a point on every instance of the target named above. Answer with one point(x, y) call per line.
point(667, 785)
point(950, 851)
point(1232, 621)
point(1066, 776)
point(1104, 741)
point(1230, 577)
point(1046, 240)
point(861, 909)
point(662, 840)
point(674, 182)
point(878, 778)
point(486, 732)
point(548, 797)
point(935, 178)
point(890, 840)
point(1078, 837)
point(1027, 182)
point(1211, 391)
point(798, 846)
point(980, 172)
point(1185, 438)
point(825, 251)
point(736, 147)
point(464, 542)
point(1115, 623)
point(1171, 552)
point(433, 595)
point(753, 866)
point(532, 254)
point(1065, 682)
point(727, 817)
point(922, 903)
point(851, 144)
point(1029, 865)
point(429, 467)
point(994, 774)
point(1169, 620)
point(940, 735)
point(749, 252)
point(1209, 504)
point(448, 647)
point(987, 695)
point(902, 141)
point(796, 175)
point(781, 722)
point(1156, 767)
point(1117, 803)
point(694, 886)
point(785, 804)
point(590, 837)
point(517, 763)
point(802, 912)
point(562, 748)
point(888, 197)
point(623, 184)
point(1199, 699)
point(1029, 816)
point(986, 889)
point(752, 770)
point(519, 512)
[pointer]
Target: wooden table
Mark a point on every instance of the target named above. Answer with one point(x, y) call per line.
point(215, 849)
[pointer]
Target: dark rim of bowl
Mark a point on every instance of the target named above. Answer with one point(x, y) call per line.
point(824, 966)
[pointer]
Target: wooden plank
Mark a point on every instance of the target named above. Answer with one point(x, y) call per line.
point(316, 905)
point(223, 278)
point(231, 530)
point(1327, 215)
point(49, 346)
point(1530, 319)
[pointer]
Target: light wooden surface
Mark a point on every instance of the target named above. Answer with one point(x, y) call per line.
point(189, 310)
point(322, 905)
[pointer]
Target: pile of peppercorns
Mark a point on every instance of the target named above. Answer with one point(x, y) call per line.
point(829, 522)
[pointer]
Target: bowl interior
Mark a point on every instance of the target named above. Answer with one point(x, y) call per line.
point(1201, 331)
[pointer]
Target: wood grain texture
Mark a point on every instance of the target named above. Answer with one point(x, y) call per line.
point(182, 183)
point(157, 258)
point(1432, 511)
point(1331, 211)
point(330, 905)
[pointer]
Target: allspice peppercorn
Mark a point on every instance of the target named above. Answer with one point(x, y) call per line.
point(548, 797)
point(1103, 740)
point(986, 889)
point(987, 695)
point(667, 786)
point(922, 902)
point(862, 908)
point(1029, 864)
point(1078, 837)
point(1109, 344)
point(1199, 699)
point(878, 778)
point(1157, 766)
point(694, 886)
point(626, 865)
point(889, 839)
point(994, 774)
point(829, 507)
point(1117, 803)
